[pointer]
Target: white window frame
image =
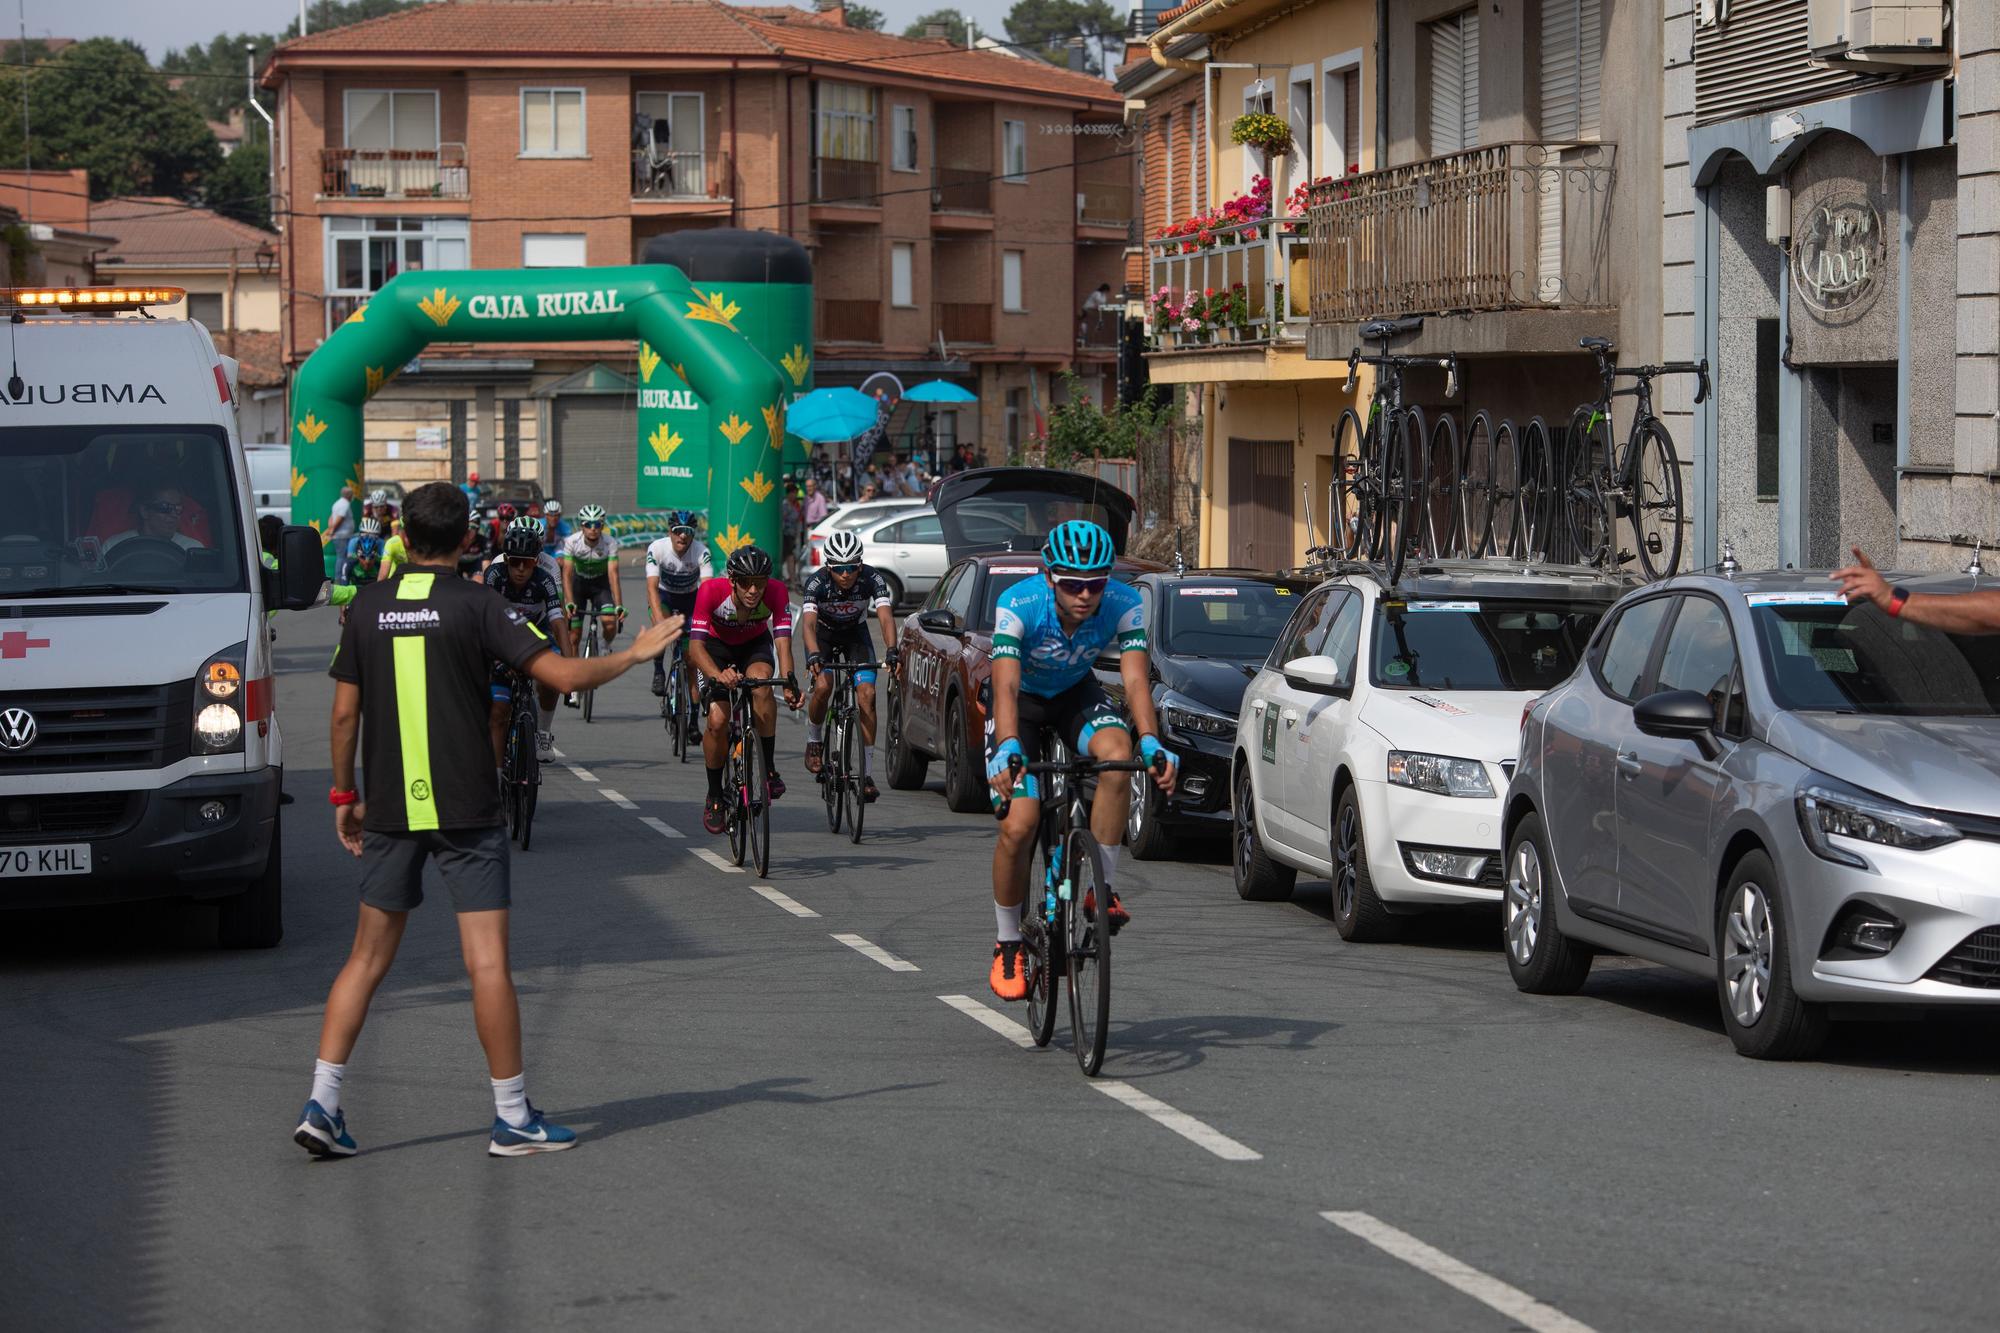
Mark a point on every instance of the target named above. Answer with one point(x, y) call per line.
point(436, 234)
point(905, 251)
point(1018, 303)
point(1167, 155)
point(583, 245)
point(1008, 132)
point(690, 180)
point(1334, 73)
point(1196, 152)
point(582, 122)
point(863, 125)
point(1302, 163)
point(1258, 95)
point(897, 113)
point(347, 113)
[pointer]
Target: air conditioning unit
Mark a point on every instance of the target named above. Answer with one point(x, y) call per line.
point(1882, 35)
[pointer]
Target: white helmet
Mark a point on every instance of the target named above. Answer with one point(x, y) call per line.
point(842, 548)
point(552, 507)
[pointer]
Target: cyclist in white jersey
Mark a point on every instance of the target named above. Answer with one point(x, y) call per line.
point(675, 566)
point(590, 572)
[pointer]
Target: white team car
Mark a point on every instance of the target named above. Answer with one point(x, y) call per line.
point(1376, 743)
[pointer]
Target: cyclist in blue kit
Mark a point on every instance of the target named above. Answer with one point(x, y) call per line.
point(1047, 634)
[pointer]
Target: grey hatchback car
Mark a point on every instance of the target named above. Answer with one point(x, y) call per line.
point(1748, 779)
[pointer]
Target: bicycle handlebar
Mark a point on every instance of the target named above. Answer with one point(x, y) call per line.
point(850, 666)
point(1448, 362)
point(1607, 370)
point(1080, 767)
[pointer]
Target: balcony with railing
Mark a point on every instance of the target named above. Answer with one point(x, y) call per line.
point(965, 322)
point(675, 176)
point(850, 321)
point(1502, 228)
point(394, 173)
point(842, 181)
point(1227, 285)
point(1107, 204)
point(962, 190)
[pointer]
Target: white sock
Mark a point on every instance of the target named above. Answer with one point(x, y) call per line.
point(813, 730)
point(1107, 862)
point(1007, 922)
point(867, 759)
point(326, 1085)
point(510, 1099)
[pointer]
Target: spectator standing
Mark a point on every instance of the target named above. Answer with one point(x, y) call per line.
point(816, 505)
point(792, 518)
point(340, 527)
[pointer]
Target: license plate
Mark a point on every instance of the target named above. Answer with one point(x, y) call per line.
point(23, 862)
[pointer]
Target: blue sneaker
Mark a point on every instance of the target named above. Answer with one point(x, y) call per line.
point(538, 1135)
point(323, 1135)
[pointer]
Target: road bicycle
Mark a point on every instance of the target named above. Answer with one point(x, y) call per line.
point(590, 643)
point(840, 769)
point(745, 780)
point(1640, 482)
point(678, 709)
point(521, 773)
point(1065, 927)
point(1384, 507)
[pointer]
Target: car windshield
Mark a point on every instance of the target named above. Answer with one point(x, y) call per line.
point(97, 509)
point(1480, 643)
point(1227, 619)
point(1828, 656)
point(862, 515)
point(999, 578)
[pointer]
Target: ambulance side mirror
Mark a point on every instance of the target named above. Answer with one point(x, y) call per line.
point(301, 570)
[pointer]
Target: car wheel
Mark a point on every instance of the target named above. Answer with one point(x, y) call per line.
point(964, 782)
point(1259, 879)
point(894, 585)
point(1149, 839)
point(1761, 1011)
point(1542, 959)
point(1358, 913)
point(254, 918)
point(907, 768)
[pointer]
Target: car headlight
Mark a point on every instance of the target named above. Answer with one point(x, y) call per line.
point(1439, 774)
point(1198, 721)
point(1827, 810)
point(219, 699)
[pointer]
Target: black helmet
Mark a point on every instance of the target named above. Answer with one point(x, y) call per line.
point(522, 541)
point(748, 562)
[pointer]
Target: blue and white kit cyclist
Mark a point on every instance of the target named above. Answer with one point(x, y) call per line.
point(676, 564)
point(1047, 634)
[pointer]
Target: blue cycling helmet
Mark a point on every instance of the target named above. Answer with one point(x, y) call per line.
point(1079, 546)
point(681, 518)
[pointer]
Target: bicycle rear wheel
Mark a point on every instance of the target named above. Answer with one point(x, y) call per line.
point(1042, 990)
point(1476, 506)
point(850, 774)
point(759, 810)
point(1655, 474)
point(1347, 526)
point(1089, 950)
point(1444, 501)
point(1584, 503)
point(833, 782)
point(1531, 497)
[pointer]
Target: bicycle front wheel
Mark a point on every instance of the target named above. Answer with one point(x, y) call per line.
point(1476, 493)
point(1584, 502)
point(1444, 502)
point(1089, 947)
point(1403, 486)
point(740, 745)
point(1531, 497)
point(527, 771)
point(1505, 532)
point(851, 754)
point(587, 651)
point(1654, 474)
point(759, 810)
point(1347, 526)
point(832, 781)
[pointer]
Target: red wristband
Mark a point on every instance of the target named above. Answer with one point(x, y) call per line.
point(338, 797)
point(1898, 596)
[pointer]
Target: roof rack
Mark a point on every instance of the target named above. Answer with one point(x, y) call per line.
point(1328, 566)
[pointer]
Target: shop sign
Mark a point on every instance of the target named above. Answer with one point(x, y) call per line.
point(1837, 253)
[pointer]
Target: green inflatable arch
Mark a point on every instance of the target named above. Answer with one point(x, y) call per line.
point(690, 329)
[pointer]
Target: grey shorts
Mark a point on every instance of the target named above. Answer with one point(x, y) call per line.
point(471, 861)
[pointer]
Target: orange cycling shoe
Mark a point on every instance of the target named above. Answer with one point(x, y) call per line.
point(1118, 915)
point(1010, 971)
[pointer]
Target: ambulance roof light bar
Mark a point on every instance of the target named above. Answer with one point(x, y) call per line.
point(89, 298)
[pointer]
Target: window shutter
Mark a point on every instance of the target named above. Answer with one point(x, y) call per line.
point(1350, 134)
point(1572, 55)
point(1447, 92)
point(1468, 101)
point(1589, 67)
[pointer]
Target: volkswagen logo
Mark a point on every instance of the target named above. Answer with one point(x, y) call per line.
point(17, 729)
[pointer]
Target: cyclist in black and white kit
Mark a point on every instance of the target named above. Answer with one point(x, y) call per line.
point(834, 623)
point(675, 566)
point(590, 572)
point(527, 578)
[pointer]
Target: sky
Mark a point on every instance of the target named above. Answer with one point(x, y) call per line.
point(160, 27)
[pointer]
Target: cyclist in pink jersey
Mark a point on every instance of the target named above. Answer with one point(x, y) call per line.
point(741, 629)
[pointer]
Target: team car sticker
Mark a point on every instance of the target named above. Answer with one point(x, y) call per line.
point(1395, 668)
point(1795, 599)
point(1444, 706)
point(1270, 746)
point(1441, 606)
point(1208, 592)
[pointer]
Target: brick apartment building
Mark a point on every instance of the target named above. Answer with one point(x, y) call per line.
point(959, 206)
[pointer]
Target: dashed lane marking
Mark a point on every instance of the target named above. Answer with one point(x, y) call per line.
point(1180, 1122)
point(660, 826)
point(1510, 1301)
point(618, 799)
point(878, 953)
point(716, 861)
point(786, 901)
point(1000, 1023)
point(580, 773)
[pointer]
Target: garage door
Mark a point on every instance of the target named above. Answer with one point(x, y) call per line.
point(596, 452)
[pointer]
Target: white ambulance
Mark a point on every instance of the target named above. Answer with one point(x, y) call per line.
point(139, 757)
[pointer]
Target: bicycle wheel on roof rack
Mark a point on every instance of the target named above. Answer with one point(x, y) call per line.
point(1655, 477)
point(1533, 497)
point(1476, 506)
point(1444, 499)
point(1403, 478)
point(1584, 505)
point(1347, 534)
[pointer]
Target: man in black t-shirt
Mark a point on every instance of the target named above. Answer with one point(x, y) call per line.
point(411, 679)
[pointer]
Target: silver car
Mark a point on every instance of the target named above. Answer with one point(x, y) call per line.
point(1749, 780)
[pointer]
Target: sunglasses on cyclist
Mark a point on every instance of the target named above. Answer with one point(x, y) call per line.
point(1081, 587)
point(681, 530)
point(524, 559)
point(593, 527)
point(844, 569)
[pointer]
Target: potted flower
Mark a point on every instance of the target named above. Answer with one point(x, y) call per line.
point(1262, 130)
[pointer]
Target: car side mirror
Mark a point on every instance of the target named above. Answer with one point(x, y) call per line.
point(1319, 673)
point(301, 568)
point(939, 620)
point(1680, 715)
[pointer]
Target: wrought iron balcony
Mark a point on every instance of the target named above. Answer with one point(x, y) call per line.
point(837, 180)
point(961, 190)
point(678, 176)
point(394, 173)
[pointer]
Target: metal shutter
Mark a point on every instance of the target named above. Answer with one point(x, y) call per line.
point(1455, 83)
point(596, 453)
point(1572, 55)
point(1756, 58)
point(1350, 131)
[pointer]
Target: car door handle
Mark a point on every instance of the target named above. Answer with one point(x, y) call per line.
point(1291, 716)
point(1257, 707)
point(1628, 763)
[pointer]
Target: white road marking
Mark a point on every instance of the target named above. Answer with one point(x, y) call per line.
point(580, 773)
point(716, 861)
point(660, 826)
point(878, 953)
point(617, 798)
point(786, 901)
point(1000, 1023)
point(1180, 1122)
point(1516, 1304)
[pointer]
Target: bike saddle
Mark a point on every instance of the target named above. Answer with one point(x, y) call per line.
point(1595, 344)
point(1381, 330)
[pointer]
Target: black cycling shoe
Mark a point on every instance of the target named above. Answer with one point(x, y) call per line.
point(869, 791)
point(715, 815)
point(659, 684)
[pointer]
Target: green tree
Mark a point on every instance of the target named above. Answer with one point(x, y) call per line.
point(1045, 26)
point(240, 188)
point(214, 69)
point(861, 16)
point(100, 106)
point(954, 25)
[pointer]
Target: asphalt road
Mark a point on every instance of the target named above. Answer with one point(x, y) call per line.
point(781, 1131)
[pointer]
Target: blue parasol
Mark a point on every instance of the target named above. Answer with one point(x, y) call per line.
point(825, 416)
point(940, 391)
